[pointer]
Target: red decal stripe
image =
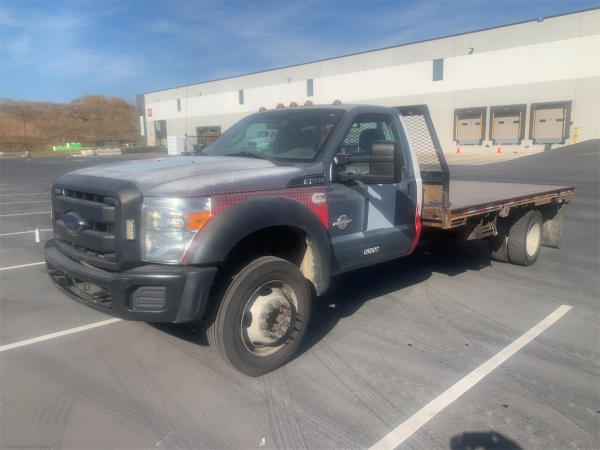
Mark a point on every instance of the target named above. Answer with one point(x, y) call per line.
point(417, 230)
point(303, 195)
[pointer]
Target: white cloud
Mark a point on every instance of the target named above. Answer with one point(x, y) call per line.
point(19, 47)
point(164, 26)
point(54, 44)
point(273, 34)
point(37, 21)
point(24, 39)
point(108, 68)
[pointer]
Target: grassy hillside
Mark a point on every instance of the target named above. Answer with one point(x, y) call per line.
point(91, 120)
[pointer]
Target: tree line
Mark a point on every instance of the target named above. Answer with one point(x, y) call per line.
point(92, 120)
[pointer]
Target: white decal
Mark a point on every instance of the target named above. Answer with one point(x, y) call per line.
point(371, 251)
point(342, 222)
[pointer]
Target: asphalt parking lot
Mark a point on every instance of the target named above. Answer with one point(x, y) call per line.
point(385, 341)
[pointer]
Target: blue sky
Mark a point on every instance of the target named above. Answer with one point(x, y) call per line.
point(60, 50)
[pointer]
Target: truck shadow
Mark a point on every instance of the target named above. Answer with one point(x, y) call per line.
point(489, 440)
point(348, 292)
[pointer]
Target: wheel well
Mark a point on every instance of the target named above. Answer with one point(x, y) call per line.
point(286, 242)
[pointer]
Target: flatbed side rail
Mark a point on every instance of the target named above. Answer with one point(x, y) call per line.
point(501, 208)
point(432, 163)
point(458, 216)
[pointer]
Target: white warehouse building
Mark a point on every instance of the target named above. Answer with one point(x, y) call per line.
point(525, 85)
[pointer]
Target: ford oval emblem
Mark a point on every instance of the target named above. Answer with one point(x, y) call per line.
point(74, 222)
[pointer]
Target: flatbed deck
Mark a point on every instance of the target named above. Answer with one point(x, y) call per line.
point(469, 195)
point(473, 198)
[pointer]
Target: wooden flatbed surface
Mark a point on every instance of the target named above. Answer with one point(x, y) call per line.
point(466, 195)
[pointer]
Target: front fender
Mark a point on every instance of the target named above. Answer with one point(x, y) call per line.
point(220, 235)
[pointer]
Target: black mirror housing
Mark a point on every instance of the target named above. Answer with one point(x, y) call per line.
point(385, 164)
point(387, 151)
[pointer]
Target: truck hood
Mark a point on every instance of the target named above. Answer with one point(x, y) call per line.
point(186, 176)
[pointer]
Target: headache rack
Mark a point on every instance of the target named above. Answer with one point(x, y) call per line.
point(432, 164)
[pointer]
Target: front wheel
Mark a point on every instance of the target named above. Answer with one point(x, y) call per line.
point(258, 323)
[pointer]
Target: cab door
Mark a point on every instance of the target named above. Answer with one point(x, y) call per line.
point(371, 222)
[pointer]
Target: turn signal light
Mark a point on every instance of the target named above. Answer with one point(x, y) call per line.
point(196, 220)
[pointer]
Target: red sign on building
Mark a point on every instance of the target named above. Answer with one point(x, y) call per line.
point(149, 111)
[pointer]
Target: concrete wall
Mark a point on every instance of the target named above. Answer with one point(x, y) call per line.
point(553, 60)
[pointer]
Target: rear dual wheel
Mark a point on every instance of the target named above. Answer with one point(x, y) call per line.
point(519, 243)
point(259, 321)
point(525, 238)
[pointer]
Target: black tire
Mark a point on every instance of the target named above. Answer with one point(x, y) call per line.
point(499, 243)
point(227, 334)
point(528, 227)
point(499, 248)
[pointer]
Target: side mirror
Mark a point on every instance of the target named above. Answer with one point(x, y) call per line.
point(383, 165)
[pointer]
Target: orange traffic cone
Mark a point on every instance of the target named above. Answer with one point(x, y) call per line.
point(498, 151)
point(458, 149)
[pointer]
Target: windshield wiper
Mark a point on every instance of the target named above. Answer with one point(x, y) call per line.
point(249, 155)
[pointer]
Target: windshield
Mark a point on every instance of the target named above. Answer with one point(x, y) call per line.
point(281, 135)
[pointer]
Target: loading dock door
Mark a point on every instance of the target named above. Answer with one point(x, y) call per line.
point(506, 127)
point(207, 135)
point(549, 125)
point(469, 129)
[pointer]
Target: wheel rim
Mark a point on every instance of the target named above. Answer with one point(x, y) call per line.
point(269, 318)
point(533, 239)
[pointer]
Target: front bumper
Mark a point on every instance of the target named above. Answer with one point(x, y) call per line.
point(151, 293)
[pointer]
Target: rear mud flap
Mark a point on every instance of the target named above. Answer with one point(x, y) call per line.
point(553, 227)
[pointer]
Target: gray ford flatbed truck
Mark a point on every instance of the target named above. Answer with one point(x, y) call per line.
point(242, 236)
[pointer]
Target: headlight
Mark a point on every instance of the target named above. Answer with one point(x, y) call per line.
point(169, 226)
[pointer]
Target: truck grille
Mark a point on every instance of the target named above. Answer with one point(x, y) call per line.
point(96, 221)
point(93, 239)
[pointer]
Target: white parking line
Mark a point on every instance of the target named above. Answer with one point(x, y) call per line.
point(28, 193)
point(23, 232)
point(405, 430)
point(25, 214)
point(22, 265)
point(47, 337)
point(29, 201)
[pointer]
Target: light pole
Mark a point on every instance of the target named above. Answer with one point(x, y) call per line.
point(25, 130)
